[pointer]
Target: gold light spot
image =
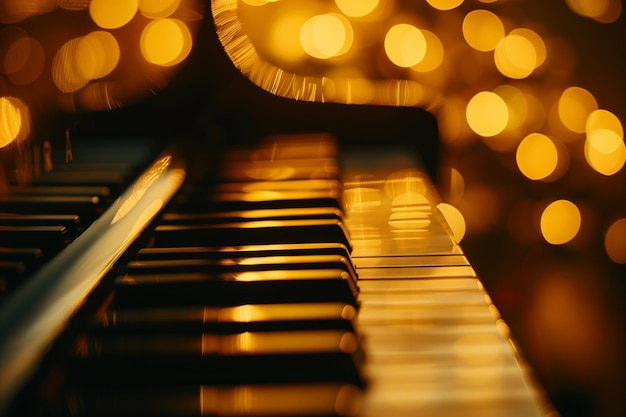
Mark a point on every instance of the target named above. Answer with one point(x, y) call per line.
point(604, 11)
point(605, 151)
point(560, 222)
point(537, 156)
point(434, 53)
point(537, 42)
point(165, 42)
point(357, 8)
point(14, 120)
point(615, 241)
point(284, 38)
point(326, 36)
point(517, 103)
point(445, 4)
point(515, 56)
point(155, 9)
point(483, 30)
point(574, 107)
point(24, 60)
point(455, 220)
point(604, 119)
point(97, 54)
point(112, 14)
point(405, 45)
point(487, 114)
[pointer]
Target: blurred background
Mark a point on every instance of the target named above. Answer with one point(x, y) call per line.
point(529, 95)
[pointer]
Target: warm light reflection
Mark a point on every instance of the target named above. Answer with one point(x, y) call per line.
point(482, 30)
point(515, 56)
point(575, 105)
point(605, 151)
point(487, 114)
point(444, 4)
point(357, 8)
point(14, 120)
point(154, 9)
point(604, 119)
point(603, 11)
point(454, 219)
point(537, 156)
point(434, 53)
point(405, 45)
point(615, 241)
point(284, 36)
point(112, 14)
point(326, 36)
point(165, 42)
point(517, 104)
point(560, 222)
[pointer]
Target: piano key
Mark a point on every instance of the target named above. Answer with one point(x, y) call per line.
point(279, 400)
point(207, 358)
point(102, 192)
point(252, 287)
point(71, 222)
point(252, 233)
point(412, 261)
point(242, 264)
point(229, 319)
point(224, 252)
point(88, 208)
point(50, 239)
point(418, 272)
point(202, 216)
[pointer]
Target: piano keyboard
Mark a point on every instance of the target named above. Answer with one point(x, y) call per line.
point(269, 283)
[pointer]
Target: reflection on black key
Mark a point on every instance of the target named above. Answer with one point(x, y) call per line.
point(228, 319)
point(252, 233)
point(50, 239)
point(251, 287)
point(70, 221)
point(209, 358)
point(276, 400)
point(87, 207)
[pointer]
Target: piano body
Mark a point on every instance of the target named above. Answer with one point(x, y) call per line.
point(259, 255)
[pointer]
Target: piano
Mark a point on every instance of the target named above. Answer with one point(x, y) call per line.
point(253, 255)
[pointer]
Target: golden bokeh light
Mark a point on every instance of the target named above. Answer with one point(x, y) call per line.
point(14, 120)
point(560, 222)
point(454, 219)
point(574, 108)
point(537, 156)
point(357, 8)
point(155, 9)
point(24, 60)
point(604, 119)
point(515, 56)
point(603, 11)
point(112, 14)
point(434, 53)
point(517, 104)
point(98, 53)
point(405, 45)
point(615, 241)
point(165, 42)
point(605, 151)
point(83, 59)
point(537, 41)
point(284, 37)
point(326, 36)
point(445, 4)
point(483, 30)
point(487, 114)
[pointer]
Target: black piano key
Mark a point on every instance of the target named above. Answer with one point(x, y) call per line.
point(50, 239)
point(87, 207)
point(71, 222)
point(228, 319)
point(102, 192)
point(236, 264)
point(207, 217)
point(208, 358)
point(252, 287)
point(277, 400)
point(225, 252)
point(113, 180)
point(252, 233)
